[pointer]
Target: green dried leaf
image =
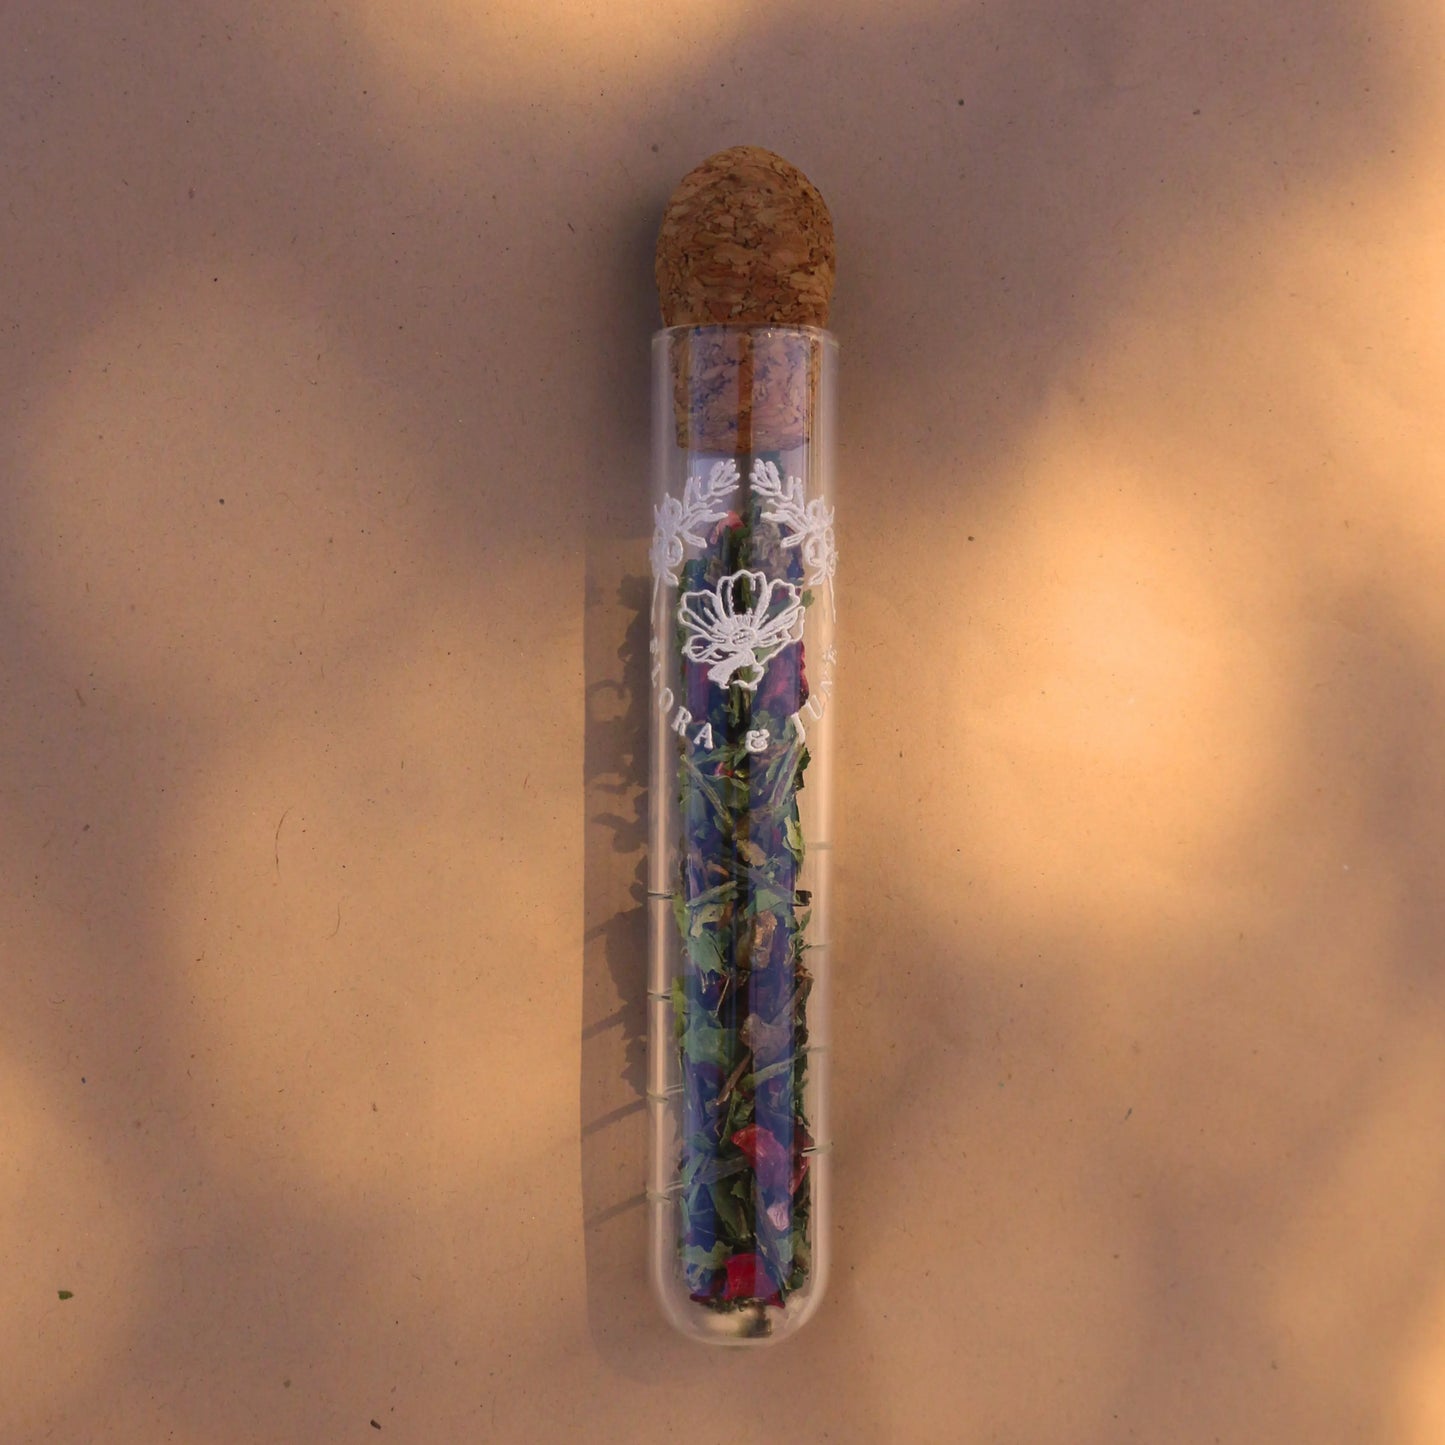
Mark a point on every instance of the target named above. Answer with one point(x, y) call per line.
point(705, 953)
point(724, 892)
point(730, 1211)
point(740, 1112)
point(701, 918)
point(704, 1042)
point(771, 1072)
point(767, 899)
point(714, 1258)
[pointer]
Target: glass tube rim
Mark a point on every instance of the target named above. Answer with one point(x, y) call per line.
point(665, 334)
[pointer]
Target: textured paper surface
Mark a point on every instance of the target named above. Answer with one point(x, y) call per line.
point(322, 530)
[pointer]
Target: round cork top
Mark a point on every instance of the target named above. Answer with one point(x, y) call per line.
point(746, 240)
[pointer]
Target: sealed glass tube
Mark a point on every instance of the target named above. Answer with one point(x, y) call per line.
point(743, 665)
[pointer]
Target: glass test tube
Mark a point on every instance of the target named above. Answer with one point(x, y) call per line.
point(743, 667)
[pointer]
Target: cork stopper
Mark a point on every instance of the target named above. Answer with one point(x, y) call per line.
point(746, 241)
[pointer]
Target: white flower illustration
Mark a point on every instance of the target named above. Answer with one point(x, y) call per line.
point(678, 525)
point(745, 620)
point(808, 525)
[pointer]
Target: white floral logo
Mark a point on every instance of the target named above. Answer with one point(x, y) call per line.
point(807, 525)
point(746, 619)
point(678, 525)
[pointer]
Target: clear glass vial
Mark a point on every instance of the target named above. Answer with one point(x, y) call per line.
point(743, 667)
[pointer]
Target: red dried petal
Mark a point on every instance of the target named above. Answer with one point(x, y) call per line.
point(775, 1166)
point(748, 1278)
point(769, 1159)
point(733, 522)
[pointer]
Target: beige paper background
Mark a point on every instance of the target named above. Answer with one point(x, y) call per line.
point(322, 502)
